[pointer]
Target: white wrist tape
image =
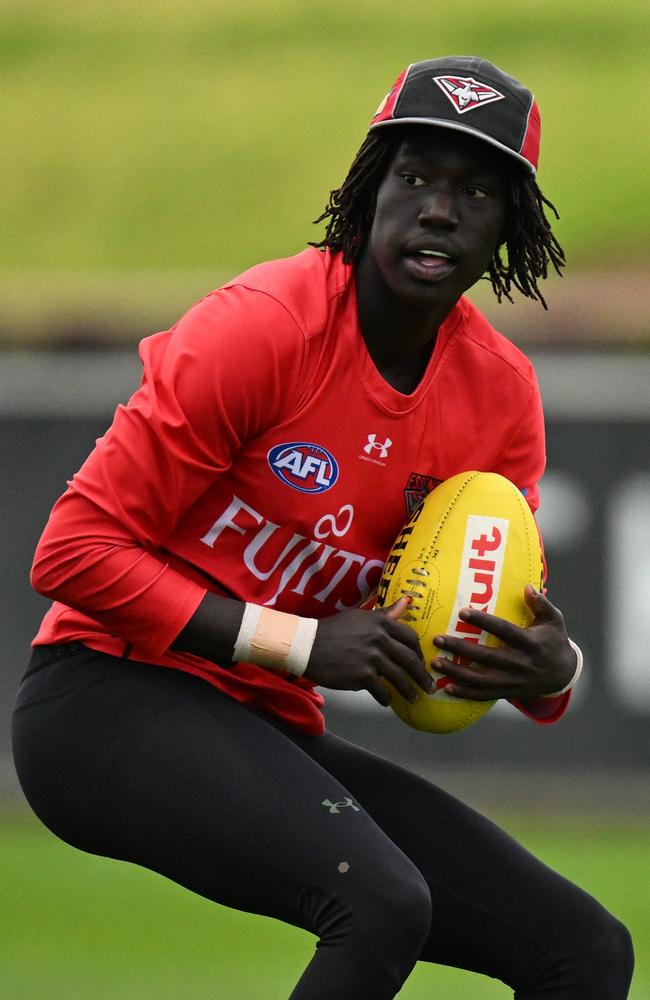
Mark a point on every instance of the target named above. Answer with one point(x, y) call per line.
point(275, 639)
point(574, 680)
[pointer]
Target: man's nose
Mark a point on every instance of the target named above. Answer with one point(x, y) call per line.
point(440, 208)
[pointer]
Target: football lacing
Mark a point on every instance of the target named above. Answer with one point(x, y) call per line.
point(412, 606)
point(413, 594)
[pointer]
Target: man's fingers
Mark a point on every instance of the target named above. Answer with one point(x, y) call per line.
point(379, 692)
point(396, 610)
point(511, 635)
point(401, 680)
point(402, 662)
point(470, 683)
point(540, 605)
point(472, 653)
point(409, 662)
point(474, 694)
point(536, 601)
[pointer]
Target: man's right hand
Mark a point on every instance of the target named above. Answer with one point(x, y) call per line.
point(354, 649)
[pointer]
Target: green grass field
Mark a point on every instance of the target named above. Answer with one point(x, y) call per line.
point(76, 927)
point(152, 150)
point(184, 136)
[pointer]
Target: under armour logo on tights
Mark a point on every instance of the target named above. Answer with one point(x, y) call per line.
point(335, 807)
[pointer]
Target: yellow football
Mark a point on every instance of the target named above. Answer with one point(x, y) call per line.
point(471, 542)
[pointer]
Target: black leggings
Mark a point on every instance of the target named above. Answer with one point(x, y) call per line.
point(157, 767)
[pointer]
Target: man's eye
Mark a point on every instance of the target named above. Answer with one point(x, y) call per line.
point(476, 192)
point(412, 180)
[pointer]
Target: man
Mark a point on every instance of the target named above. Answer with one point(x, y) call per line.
point(209, 560)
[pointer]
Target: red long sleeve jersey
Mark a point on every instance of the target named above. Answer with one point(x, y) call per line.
point(265, 458)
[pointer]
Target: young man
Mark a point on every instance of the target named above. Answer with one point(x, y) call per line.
point(209, 560)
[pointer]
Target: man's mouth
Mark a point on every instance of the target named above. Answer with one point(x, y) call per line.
point(431, 263)
point(433, 258)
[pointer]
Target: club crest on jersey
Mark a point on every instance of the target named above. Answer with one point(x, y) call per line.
point(417, 488)
point(306, 467)
point(465, 93)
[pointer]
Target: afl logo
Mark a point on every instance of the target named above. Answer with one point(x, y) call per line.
point(306, 467)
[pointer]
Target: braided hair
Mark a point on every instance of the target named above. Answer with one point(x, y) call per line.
point(528, 238)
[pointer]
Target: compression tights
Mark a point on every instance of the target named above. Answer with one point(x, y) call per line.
point(157, 767)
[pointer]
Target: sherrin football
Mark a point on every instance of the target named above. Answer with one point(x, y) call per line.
point(472, 541)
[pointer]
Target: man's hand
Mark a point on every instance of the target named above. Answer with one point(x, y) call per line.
point(532, 662)
point(353, 649)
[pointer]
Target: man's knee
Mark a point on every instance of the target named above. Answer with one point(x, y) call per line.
point(605, 962)
point(597, 962)
point(408, 905)
point(396, 919)
point(385, 912)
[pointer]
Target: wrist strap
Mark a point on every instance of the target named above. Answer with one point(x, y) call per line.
point(574, 680)
point(275, 639)
point(301, 646)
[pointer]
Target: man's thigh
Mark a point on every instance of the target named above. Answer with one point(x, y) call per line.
point(496, 908)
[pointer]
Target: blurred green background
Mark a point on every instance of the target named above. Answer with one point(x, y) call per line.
point(76, 927)
point(150, 151)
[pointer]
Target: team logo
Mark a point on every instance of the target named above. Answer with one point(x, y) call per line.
point(375, 445)
point(306, 467)
point(417, 488)
point(466, 93)
point(346, 803)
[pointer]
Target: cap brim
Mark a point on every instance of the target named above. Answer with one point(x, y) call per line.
point(443, 123)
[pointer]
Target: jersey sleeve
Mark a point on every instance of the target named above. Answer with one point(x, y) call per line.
point(523, 462)
point(545, 711)
point(226, 371)
point(524, 457)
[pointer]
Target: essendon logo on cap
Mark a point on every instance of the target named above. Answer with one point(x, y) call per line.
point(466, 93)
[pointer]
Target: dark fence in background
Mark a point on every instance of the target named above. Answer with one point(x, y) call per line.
point(595, 519)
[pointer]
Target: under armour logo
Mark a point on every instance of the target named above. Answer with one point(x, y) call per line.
point(374, 443)
point(335, 807)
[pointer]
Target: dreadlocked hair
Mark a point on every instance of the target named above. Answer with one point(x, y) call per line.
point(529, 241)
point(351, 208)
point(528, 238)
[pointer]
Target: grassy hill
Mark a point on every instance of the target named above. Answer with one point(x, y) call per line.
point(190, 139)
